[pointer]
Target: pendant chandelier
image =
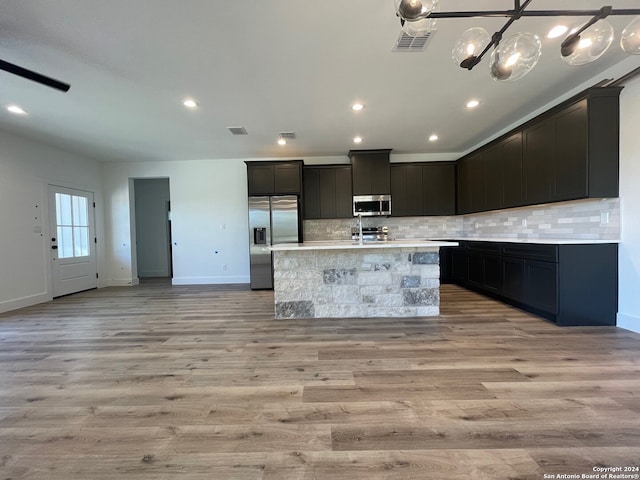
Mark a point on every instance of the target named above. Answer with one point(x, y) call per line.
point(515, 56)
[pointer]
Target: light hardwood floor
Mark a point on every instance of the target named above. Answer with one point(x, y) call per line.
point(161, 382)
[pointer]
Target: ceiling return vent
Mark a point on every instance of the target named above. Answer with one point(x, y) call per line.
point(287, 135)
point(238, 130)
point(407, 43)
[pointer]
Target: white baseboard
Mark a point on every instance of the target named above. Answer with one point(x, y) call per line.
point(628, 322)
point(209, 280)
point(14, 304)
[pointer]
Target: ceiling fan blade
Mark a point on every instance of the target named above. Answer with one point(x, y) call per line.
point(34, 76)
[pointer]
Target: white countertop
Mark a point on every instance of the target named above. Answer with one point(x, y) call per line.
point(352, 244)
point(543, 241)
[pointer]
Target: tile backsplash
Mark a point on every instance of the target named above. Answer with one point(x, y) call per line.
point(592, 219)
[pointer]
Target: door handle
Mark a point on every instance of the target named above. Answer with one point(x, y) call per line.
point(54, 247)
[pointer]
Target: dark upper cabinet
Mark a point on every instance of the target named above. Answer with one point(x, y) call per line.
point(494, 176)
point(327, 192)
point(406, 190)
point(371, 172)
point(569, 179)
point(439, 188)
point(463, 182)
point(274, 178)
point(260, 179)
point(538, 155)
point(567, 153)
point(471, 188)
point(512, 171)
point(423, 188)
point(287, 177)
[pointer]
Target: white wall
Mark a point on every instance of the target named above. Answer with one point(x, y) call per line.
point(208, 215)
point(629, 253)
point(26, 168)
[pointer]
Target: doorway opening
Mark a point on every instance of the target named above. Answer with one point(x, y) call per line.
point(154, 257)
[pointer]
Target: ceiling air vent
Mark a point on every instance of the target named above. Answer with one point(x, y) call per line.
point(237, 130)
point(287, 135)
point(407, 43)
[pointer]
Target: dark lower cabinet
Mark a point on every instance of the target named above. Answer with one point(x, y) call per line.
point(569, 284)
point(541, 286)
point(513, 275)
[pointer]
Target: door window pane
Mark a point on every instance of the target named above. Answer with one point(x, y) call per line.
point(81, 241)
point(65, 242)
point(72, 218)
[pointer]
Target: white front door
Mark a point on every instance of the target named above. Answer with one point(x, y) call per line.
point(73, 249)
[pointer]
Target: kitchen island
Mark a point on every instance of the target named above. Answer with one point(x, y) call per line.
point(396, 278)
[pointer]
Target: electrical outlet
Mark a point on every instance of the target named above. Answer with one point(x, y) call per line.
point(224, 267)
point(524, 222)
point(604, 217)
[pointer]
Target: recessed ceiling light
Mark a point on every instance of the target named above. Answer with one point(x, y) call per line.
point(433, 138)
point(557, 31)
point(282, 141)
point(190, 103)
point(473, 103)
point(357, 107)
point(357, 139)
point(17, 110)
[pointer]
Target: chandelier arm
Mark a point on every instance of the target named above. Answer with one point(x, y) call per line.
point(497, 37)
point(532, 13)
point(603, 13)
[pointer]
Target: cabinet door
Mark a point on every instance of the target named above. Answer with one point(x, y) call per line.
point(344, 198)
point(327, 193)
point(399, 202)
point(464, 181)
point(541, 285)
point(439, 189)
point(459, 265)
point(539, 152)
point(406, 190)
point(570, 165)
point(371, 174)
point(492, 273)
point(478, 190)
point(311, 193)
point(260, 179)
point(512, 171)
point(476, 270)
point(287, 178)
point(493, 176)
point(513, 278)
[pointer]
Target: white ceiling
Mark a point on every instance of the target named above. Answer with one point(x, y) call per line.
point(270, 66)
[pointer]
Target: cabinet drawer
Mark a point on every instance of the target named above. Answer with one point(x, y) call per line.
point(531, 251)
point(488, 248)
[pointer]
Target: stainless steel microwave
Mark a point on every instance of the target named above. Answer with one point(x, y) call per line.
point(371, 205)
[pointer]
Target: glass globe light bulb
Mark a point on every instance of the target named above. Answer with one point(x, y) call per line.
point(418, 28)
point(412, 10)
point(630, 38)
point(469, 46)
point(515, 57)
point(589, 45)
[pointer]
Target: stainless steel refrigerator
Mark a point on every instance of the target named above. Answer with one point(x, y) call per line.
point(272, 220)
